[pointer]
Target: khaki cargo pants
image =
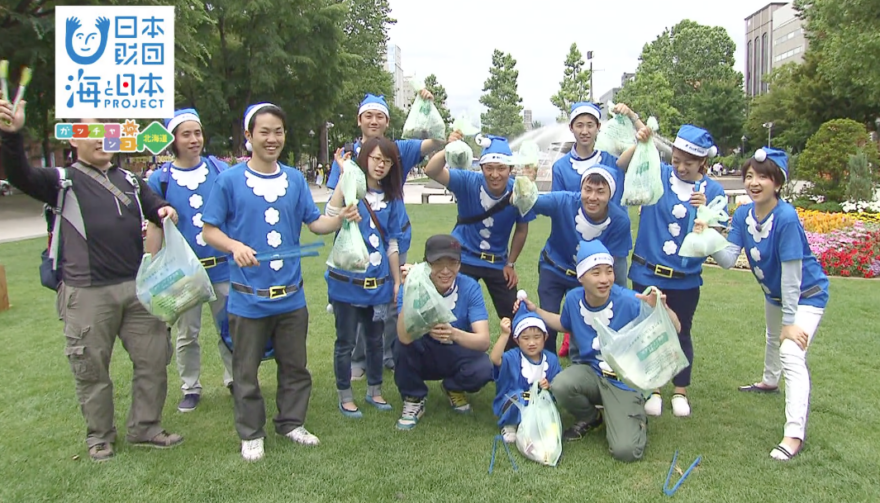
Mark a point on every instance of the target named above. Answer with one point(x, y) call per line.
point(93, 318)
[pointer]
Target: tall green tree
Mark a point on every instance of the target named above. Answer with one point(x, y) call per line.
point(501, 97)
point(825, 160)
point(575, 84)
point(651, 95)
point(440, 97)
point(779, 106)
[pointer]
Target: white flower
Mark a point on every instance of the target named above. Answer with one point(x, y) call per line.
point(485, 233)
point(376, 201)
point(452, 298)
point(195, 201)
point(486, 201)
point(274, 239)
point(758, 273)
point(670, 247)
point(764, 287)
point(269, 189)
point(588, 230)
point(272, 216)
point(375, 258)
point(674, 229)
point(679, 211)
point(757, 233)
point(197, 220)
point(200, 240)
point(489, 222)
point(602, 317)
point(374, 240)
point(755, 253)
point(484, 245)
point(190, 178)
point(276, 265)
point(531, 371)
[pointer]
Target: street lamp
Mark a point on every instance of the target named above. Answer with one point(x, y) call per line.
point(742, 149)
point(769, 126)
point(590, 59)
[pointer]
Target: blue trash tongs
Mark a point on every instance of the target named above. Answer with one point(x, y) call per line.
point(306, 250)
point(499, 438)
point(669, 491)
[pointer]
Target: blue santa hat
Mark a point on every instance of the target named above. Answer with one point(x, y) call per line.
point(248, 114)
point(181, 116)
point(584, 107)
point(495, 149)
point(779, 158)
point(523, 318)
point(591, 254)
point(604, 173)
point(695, 141)
point(373, 102)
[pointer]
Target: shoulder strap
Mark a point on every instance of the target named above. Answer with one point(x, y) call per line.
point(212, 161)
point(504, 203)
point(163, 178)
point(104, 182)
point(375, 220)
point(63, 186)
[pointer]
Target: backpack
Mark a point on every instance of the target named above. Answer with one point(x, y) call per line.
point(165, 172)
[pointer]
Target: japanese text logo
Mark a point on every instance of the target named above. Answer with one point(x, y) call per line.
point(114, 62)
point(125, 137)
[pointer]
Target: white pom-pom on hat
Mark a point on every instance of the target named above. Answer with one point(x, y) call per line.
point(521, 295)
point(713, 151)
point(760, 155)
point(483, 141)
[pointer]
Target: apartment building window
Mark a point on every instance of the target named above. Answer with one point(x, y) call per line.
point(750, 56)
point(756, 80)
point(764, 70)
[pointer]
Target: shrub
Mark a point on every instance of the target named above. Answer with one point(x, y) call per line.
point(824, 161)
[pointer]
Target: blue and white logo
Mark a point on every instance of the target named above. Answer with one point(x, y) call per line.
point(114, 62)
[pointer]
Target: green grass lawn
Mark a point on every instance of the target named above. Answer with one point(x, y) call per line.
point(43, 456)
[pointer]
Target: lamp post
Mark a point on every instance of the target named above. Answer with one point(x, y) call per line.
point(742, 149)
point(769, 126)
point(877, 129)
point(590, 59)
point(312, 136)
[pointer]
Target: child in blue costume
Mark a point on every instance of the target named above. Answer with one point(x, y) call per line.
point(260, 206)
point(592, 216)
point(795, 288)
point(486, 219)
point(515, 370)
point(186, 183)
point(590, 381)
point(662, 228)
point(362, 299)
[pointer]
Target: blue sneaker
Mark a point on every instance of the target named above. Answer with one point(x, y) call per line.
point(189, 403)
point(413, 410)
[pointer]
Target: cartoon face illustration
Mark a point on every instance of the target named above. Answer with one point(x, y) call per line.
point(85, 45)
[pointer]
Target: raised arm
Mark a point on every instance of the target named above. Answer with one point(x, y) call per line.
point(497, 353)
point(437, 170)
point(39, 183)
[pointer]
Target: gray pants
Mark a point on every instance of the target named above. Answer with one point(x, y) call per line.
point(93, 318)
point(288, 332)
point(578, 389)
point(359, 353)
point(189, 358)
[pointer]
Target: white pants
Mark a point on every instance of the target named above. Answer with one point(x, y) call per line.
point(790, 361)
point(189, 358)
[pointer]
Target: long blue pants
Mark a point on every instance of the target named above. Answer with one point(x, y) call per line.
point(460, 368)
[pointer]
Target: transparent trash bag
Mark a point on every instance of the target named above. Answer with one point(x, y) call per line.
point(423, 306)
point(539, 436)
point(709, 241)
point(352, 183)
point(424, 121)
point(349, 252)
point(525, 194)
point(529, 154)
point(645, 353)
point(173, 281)
point(466, 125)
point(459, 155)
point(617, 134)
point(643, 184)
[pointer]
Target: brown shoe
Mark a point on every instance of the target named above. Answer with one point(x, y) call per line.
point(101, 452)
point(163, 440)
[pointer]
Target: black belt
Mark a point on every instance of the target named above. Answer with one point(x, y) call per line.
point(273, 292)
point(568, 272)
point(210, 262)
point(659, 270)
point(487, 257)
point(406, 226)
point(365, 283)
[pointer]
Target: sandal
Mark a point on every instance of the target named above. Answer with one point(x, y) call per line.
point(352, 414)
point(786, 454)
point(756, 388)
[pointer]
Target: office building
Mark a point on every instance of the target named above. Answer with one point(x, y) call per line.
point(527, 118)
point(774, 37)
point(398, 80)
point(789, 43)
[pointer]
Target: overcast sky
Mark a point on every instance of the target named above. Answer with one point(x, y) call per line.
point(454, 39)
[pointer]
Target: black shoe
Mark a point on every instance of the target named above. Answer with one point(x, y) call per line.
point(581, 428)
point(229, 387)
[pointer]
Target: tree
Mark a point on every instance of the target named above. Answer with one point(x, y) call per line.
point(779, 106)
point(824, 161)
point(651, 95)
point(537, 124)
point(502, 100)
point(575, 84)
point(440, 97)
point(861, 183)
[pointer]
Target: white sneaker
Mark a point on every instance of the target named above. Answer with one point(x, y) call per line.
point(508, 432)
point(654, 405)
point(680, 405)
point(302, 436)
point(252, 450)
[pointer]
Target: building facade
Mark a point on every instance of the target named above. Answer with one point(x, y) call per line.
point(789, 43)
point(774, 37)
point(527, 118)
point(398, 79)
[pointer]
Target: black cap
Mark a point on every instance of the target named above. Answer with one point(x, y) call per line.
point(442, 246)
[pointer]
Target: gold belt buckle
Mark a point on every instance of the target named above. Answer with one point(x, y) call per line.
point(277, 291)
point(371, 283)
point(209, 262)
point(610, 375)
point(526, 395)
point(663, 271)
point(488, 257)
point(569, 272)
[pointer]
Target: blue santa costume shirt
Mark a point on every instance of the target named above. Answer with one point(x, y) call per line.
point(577, 318)
point(568, 169)
point(410, 155)
point(570, 225)
point(662, 228)
point(514, 377)
point(780, 239)
point(188, 191)
point(390, 215)
point(491, 235)
point(465, 299)
point(265, 212)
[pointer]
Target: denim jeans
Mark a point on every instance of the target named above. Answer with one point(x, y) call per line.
point(348, 317)
point(358, 356)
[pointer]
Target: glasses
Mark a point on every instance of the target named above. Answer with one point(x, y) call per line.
point(381, 160)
